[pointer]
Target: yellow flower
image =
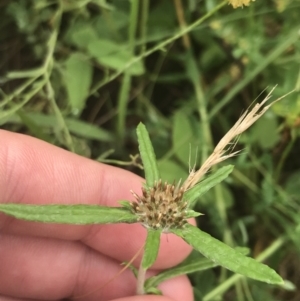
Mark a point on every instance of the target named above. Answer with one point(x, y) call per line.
point(239, 3)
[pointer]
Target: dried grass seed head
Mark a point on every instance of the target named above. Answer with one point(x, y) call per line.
point(223, 150)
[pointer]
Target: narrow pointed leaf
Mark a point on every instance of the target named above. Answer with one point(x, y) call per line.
point(69, 214)
point(193, 194)
point(192, 264)
point(126, 204)
point(151, 248)
point(227, 257)
point(147, 155)
point(192, 213)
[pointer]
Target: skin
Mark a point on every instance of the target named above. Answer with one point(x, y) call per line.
point(54, 262)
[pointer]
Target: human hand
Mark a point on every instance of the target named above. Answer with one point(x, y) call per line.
point(53, 262)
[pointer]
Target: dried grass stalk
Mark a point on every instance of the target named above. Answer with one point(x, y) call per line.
point(224, 148)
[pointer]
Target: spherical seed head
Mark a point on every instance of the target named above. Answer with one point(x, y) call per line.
point(161, 206)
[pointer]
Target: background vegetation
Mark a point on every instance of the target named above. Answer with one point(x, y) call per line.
point(82, 74)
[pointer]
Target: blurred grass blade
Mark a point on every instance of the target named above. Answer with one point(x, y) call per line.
point(268, 59)
point(34, 89)
point(69, 214)
point(151, 248)
point(36, 130)
point(147, 155)
point(122, 106)
point(193, 194)
point(75, 126)
point(226, 256)
point(87, 130)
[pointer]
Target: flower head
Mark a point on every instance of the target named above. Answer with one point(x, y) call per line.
point(239, 3)
point(161, 206)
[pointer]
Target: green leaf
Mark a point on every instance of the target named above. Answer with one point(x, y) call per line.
point(36, 130)
point(87, 130)
point(153, 291)
point(115, 56)
point(78, 80)
point(82, 35)
point(77, 127)
point(226, 256)
point(171, 171)
point(126, 204)
point(147, 155)
point(292, 185)
point(182, 136)
point(264, 131)
point(192, 213)
point(103, 24)
point(151, 248)
point(69, 214)
point(195, 262)
point(194, 193)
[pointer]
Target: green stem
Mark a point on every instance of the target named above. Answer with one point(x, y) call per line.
point(35, 73)
point(202, 107)
point(126, 82)
point(141, 280)
point(59, 116)
point(207, 143)
point(282, 159)
point(38, 86)
point(48, 70)
point(122, 106)
point(159, 46)
point(143, 27)
point(17, 91)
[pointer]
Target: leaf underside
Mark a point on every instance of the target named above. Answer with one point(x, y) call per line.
point(151, 248)
point(69, 214)
point(226, 256)
point(189, 265)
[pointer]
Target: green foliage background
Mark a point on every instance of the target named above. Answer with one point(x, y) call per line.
point(83, 74)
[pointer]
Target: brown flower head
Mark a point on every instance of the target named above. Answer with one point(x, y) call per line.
point(161, 206)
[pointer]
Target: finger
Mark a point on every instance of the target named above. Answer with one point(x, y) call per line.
point(178, 289)
point(52, 269)
point(172, 248)
point(148, 298)
point(5, 298)
point(34, 172)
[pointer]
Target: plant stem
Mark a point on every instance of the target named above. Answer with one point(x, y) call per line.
point(60, 119)
point(141, 280)
point(143, 24)
point(158, 47)
point(181, 20)
point(126, 82)
point(282, 159)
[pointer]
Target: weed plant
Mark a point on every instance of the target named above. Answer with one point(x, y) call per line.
point(83, 74)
